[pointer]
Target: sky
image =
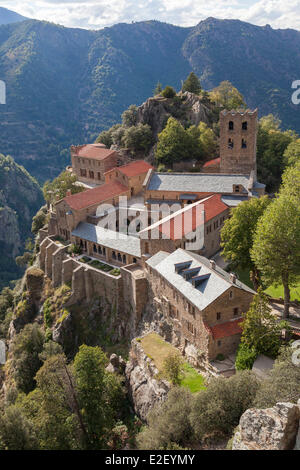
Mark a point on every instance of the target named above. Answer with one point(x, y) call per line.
point(96, 14)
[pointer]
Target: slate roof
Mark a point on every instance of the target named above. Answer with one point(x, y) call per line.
point(196, 182)
point(95, 195)
point(233, 201)
point(208, 291)
point(108, 238)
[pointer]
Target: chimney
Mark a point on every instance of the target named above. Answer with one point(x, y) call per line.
point(233, 278)
point(212, 264)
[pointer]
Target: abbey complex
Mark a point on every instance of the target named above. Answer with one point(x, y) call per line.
point(145, 265)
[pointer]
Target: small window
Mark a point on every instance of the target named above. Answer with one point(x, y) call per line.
point(244, 144)
point(231, 126)
point(245, 126)
point(236, 311)
point(219, 343)
point(230, 144)
point(218, 315)
point(236, 188)
point(231, 294)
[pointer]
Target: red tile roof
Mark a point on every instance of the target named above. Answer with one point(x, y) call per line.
point(95, 195)
point(215, 161)
point(93, 151)
point(229, 328)
point(186, 222)
point(135, 168)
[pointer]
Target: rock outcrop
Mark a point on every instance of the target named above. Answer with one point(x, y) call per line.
point(20, 198)
point(144, 387)
point(274, 428)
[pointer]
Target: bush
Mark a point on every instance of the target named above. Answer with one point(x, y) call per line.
point(217, 410)
point(129, 117)
point(168, 423)
point(138, 137)
point(245, 357)
point(26, 347)
point(74, 249)
point(283, 383)
point(173, 367)
point(168, 92)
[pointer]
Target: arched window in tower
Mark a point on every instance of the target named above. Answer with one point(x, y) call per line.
point(244, 144)
point(230, 143)
point(231, 126)
point(244, 125)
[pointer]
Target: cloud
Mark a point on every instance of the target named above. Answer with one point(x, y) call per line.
point(94, 14)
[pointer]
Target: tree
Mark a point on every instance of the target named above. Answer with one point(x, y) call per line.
point(216, 411)
point(98, 393)
point(291, 155)
point(138, 137)
point(227, 96)
point(26, 347)
point(106, 137)
point(173, 367)
point(53, 406)
point(39, 220)
point(192, 84)
point(245, 357)
point(158, 89)
point(168, 92)
point(261, 329)
point(174, 143)
point(168, 423)
point(129, 117)
point(276, 246)
point(207, 141)
point(271, 146)
point(16, 431)
point(60, 185)
point(238, 232)
point(291, 182)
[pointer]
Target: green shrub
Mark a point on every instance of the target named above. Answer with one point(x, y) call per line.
point(173, 367)
point(47, 308)
point(245, 357)
point(168, 92)
point(217, 410)
point(168, 423)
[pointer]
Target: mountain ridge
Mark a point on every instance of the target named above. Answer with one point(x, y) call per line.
point(10, 16)
point(65, 85)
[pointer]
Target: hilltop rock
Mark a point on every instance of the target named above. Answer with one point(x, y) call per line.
point(269, 429)
point(186, 107)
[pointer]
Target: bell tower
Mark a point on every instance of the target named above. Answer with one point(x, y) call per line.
point(238, 134)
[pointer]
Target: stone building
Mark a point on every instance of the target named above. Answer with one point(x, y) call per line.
point(238, 135)
point(186, 188)
point(107, 245)
point(72, 210)
point(90, 162)
point(131, 175)
point(204, 218)
point(203, 302)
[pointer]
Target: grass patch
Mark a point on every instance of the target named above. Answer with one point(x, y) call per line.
point(277, 292)
point(273, 291)
point(191, 379)
point(158, 350)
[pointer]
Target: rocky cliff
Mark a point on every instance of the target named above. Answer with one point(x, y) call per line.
point(20, 198)
point(274, 428)
point(144, 386)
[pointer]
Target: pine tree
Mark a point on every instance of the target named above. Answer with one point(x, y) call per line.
point(192, 84)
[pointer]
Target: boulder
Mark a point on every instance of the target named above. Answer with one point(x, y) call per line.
point(269, 429)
